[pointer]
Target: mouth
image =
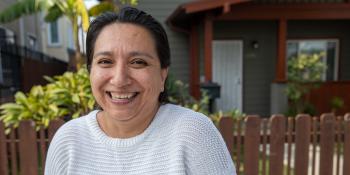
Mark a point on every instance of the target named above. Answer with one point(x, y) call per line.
point(122, 97)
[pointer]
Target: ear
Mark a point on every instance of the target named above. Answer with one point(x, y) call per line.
point(164, 74)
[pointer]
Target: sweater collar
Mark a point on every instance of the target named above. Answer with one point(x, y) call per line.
point(124, 143)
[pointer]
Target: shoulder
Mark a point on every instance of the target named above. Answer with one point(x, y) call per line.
point(67, 138)
point(204, 147)
point(185, 118)
point(74, 129)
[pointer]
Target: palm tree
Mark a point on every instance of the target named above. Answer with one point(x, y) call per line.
point(54, 9)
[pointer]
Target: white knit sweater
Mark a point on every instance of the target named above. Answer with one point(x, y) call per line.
point(178, 141)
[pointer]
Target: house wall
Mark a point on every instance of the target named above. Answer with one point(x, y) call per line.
point(326, 29)
point(258, 64)
point(179, 43)
point(27, 25)
point(66, 40)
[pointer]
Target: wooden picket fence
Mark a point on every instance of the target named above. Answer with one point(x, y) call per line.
point(317, 146)
point(301, 145)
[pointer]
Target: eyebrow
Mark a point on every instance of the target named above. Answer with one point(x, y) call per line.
point(136, 53)
point(105, 53)
point(131, 54)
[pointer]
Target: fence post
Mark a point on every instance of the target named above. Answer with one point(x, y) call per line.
point(346, 147)
point(226, 130)
point(277, 138)
point(327, 144)
point(3, 152)
point(251, 145)
point(28, 150)
point(302, 141)
point(53, 127)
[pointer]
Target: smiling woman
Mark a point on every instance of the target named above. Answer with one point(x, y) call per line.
point(136, 131)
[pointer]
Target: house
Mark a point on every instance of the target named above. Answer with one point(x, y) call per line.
point(26, 54)
point(244, 45)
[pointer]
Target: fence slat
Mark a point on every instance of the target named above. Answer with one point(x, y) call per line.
point(277, 136)
point(226, 129)
point(327, 144)
point(28, 151)
point(3, 152)
point(251, 145)
point(42, 148)
point(239, 144)
point(302, 141)
point(346, 163)
point(53, 127)
point(289, 141)
point(314, 145)
point(264, 143)
point(13, 150)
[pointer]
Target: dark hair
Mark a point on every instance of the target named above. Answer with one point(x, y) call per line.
point(137, 17)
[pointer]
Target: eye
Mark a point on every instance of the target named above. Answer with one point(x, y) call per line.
point(104, 61)
point(138, 63)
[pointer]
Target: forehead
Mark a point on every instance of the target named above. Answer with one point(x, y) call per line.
point(124, 35)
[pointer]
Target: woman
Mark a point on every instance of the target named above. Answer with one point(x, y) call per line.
point(136, 131)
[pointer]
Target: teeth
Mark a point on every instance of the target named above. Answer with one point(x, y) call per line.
point(122, 96)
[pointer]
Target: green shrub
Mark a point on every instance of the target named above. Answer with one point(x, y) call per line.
point(178, 93)
point(235, 114)
point(304, 74)
point(66, 95)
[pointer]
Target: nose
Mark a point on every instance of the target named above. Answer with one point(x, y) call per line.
point(120, 76)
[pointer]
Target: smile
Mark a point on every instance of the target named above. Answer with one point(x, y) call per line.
point(122, 96)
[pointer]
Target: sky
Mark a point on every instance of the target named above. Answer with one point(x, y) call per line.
point(90, 3)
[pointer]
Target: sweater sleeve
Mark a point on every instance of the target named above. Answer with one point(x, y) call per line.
point(57, 155)
point(208, 153)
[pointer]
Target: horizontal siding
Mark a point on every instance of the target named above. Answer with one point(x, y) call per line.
point(161, 10)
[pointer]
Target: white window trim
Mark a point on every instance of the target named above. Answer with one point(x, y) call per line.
point(336, 62)
point(49, 39)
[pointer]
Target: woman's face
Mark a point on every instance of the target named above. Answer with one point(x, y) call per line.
point(126, 76)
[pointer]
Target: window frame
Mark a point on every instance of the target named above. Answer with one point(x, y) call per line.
point(336, 61)
point(49, 35)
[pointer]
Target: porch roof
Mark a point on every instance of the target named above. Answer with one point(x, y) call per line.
point(181, 18)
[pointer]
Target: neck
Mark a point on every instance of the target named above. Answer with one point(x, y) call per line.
point(125, 129)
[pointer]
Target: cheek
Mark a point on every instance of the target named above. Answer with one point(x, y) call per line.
point(96, 79)
point(149, 80)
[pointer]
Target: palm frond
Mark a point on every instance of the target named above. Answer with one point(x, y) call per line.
point(82, 11)
point(53, 14)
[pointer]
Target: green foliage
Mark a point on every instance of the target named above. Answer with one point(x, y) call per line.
point(336, 103)
point(178, 94)
point(73, 92)
point(235, 114)
point(66, 95)
point(304, 73)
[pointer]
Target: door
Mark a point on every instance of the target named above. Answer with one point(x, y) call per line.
point(227, 71)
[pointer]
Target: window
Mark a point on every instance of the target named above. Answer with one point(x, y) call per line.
point(53, 32)
point(327, 46)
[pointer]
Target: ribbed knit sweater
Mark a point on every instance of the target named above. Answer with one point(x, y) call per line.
point(178, 141)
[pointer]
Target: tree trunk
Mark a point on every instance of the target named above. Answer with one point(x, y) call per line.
point(75, 62)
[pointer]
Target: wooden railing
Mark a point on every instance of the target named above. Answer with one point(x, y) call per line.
point(275, 146)
point(321, 97)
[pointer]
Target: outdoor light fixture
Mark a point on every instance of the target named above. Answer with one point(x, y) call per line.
point(255, 44)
